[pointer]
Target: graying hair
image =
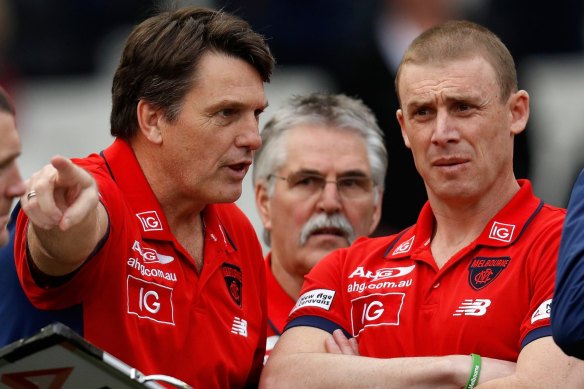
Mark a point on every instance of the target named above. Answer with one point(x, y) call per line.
point(331, 110)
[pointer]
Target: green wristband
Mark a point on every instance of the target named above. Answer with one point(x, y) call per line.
point(475, 371)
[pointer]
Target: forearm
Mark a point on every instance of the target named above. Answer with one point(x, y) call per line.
point(542, 364)
point(57, 252)
point(318, 370)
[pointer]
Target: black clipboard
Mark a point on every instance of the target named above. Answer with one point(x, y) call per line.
point(59, 358)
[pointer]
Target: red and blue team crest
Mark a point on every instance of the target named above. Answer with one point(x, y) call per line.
point(232, 277)
point(483, 270)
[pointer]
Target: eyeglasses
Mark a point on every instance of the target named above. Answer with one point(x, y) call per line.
point(309, 184)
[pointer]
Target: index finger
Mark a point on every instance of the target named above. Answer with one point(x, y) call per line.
point(69, 173)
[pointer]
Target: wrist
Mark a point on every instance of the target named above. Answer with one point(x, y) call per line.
point(475, 371)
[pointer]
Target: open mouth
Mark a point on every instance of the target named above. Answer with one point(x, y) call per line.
point(328, 231)
point(238, 167)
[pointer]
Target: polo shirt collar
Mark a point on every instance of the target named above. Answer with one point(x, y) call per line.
point(130, 179)
point(503, 229)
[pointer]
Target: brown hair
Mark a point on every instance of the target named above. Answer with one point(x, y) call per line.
point(160, 59)
point(458, 39)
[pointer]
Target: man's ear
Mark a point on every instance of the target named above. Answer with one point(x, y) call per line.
point(519, 107)
point(400, 119)
point(263, 204)
point(149, 121)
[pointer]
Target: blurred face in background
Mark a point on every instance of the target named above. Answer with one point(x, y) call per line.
point(11, 184)
point(323, 197)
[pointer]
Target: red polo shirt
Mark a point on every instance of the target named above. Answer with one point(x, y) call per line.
point(491, 298)
point(279, 306)
point(144, 301)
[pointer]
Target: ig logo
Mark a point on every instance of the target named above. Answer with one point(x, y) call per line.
point(150, 221)
point(372, 311)
point(502, 232)
point(149, 301)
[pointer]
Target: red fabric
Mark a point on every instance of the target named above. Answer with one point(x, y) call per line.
point(491, 298)
point(279, 306)
point(143, 299)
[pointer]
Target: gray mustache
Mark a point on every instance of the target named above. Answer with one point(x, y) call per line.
point(321, 221)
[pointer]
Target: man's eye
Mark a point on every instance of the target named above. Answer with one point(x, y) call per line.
point(226, 113)
point(258, 112)
point(463, 107)
point(307, 181)
point(349, 182)
point(6, 164)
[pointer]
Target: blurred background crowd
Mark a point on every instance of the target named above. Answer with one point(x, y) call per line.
point(57, 59)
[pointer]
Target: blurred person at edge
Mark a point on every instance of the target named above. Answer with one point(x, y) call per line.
point(145, 233)
point(11, 183)
point(568, 308)
point(471, 283)
point(318, 181)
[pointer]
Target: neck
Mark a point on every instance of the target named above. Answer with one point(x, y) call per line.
point(179, 206)
point(457, 225)
point(291, 283)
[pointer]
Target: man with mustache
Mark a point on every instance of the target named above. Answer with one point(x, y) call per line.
point(318, 181)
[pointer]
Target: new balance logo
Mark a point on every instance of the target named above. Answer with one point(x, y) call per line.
point(239, 327)
point(470, 307)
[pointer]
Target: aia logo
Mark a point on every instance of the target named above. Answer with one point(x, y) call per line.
point(502, 232)
point(150, 221)
point(404, 247)
point(233, 278)
point(483, 270)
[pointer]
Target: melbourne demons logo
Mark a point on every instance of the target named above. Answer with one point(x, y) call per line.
point(150, 221)
point(232, 277)
point(483, 270)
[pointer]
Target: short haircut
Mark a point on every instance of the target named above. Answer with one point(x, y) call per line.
point(460, 39)
point(160, 58)
point(6, 104)
point(337, 111)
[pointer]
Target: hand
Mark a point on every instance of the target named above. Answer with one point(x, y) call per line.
point(338, 343)
point(60, 195)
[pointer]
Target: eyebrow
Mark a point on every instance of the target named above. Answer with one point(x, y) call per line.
point(227, 103)
point(449, 98)
point(347, 173)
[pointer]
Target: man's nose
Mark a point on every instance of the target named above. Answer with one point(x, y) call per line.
point(249, 137)
point(445, 130)
point(330, 198)
point(16, 186)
